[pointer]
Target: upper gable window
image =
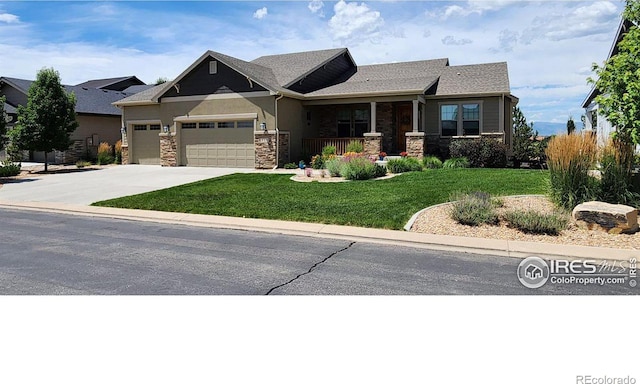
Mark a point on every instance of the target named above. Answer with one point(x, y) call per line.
point(213, 67)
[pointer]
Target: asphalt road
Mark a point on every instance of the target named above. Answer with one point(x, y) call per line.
point(52, 254)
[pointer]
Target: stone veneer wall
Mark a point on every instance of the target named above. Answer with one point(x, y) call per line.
point(265, 143)
point(384, 125)
point(168, 150)
point(372, 144)
point(415, 144)
point(74, 153)
point(283, 150)
point(125, 154)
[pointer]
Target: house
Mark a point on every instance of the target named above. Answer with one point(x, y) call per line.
point(223, 111)
point(98, 120)
point(594, 121)
point(114, 84)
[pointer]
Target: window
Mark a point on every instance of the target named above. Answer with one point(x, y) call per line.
point(454, 123)
point(139, 127)
point(226, 124)
point(154, 127)
point(353, 122)
point(213, 67)
point(188, 125)
point(470, 119)
point(207, 125)
point(245, 124)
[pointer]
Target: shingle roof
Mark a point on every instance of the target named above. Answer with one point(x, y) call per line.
point(413, 76)
point(100, 83)
point(88, 100)
point(137, 88)
point(8, 108)
point(474, 79)
point(290, 67)
point(257, 72)
point(146, 95)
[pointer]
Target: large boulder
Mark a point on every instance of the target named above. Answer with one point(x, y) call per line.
point(611, 218)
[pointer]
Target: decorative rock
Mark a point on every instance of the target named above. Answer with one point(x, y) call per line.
point(611, 218)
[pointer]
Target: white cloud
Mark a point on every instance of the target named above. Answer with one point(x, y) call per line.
point(477, 7)
point(352, 22)
point(9, 18)
point(450, 40)
point(315, 6)
point(260, 13)
point(507, 39)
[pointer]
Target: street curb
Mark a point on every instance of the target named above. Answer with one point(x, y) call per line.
point(516, 249)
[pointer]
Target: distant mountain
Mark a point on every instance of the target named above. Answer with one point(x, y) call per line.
point(547, 129)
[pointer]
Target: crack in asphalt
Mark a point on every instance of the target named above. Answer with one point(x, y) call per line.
point(312, 268)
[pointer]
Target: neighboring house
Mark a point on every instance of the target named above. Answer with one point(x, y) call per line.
point(223, 111)
point(594, 120)
point(98, 120)
point(114, 84)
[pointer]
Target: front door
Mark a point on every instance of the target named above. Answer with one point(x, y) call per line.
point(404, 124)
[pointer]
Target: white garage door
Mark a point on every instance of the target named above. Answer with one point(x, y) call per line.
point(218, 144)
point(146, 144)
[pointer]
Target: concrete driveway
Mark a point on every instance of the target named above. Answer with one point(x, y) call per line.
point(86, 187)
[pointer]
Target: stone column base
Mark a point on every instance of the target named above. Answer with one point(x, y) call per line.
point(265, 143)
point(125, 154)
point(415, 144)
point(168, 150)
point(372, 144)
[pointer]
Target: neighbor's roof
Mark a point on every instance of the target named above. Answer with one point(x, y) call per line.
point(290, 67)
point(8, 108)
point(88, 100)
point(102, 83)
point(473, 79)
point(413, 76)
point(145, 96)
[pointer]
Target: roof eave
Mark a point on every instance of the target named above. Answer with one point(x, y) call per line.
point(14, 85)
point(341, 52)
point(366, 94)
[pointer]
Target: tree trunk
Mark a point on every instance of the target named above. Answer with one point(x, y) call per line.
point(46, 161)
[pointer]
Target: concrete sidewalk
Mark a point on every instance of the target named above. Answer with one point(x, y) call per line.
point(518, 249)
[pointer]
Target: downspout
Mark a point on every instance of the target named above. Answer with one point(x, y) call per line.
point(277, 134)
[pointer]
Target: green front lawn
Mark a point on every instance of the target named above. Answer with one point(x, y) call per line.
point(374, 203)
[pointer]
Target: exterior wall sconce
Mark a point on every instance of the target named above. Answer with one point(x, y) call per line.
point(165, 129)
point(123, 130)
point(263, 126)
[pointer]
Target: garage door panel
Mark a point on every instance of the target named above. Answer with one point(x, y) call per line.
point(220, 155)
point(146, 147)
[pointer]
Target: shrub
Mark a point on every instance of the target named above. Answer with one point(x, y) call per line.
point(482, 153)
point(569, 159)
point(538, 223)
point(432, 162)
point(379, 170)
point(616, 185)
point(355, 146)
point(334, 167)
point(358, 168)
point(104, 154)
point(82, 163)
point(118, 151)
point(328, 150)
point(317, 162)
point(404, 164)
point(456, 162)
point(290, 166)
point(473, 209)
point(9, 169)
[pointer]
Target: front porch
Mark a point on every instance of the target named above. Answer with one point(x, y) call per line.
point(393, 127)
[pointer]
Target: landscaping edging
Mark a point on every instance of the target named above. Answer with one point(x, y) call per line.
point(330, 179)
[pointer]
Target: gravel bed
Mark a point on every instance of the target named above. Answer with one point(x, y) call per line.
point(437, 221)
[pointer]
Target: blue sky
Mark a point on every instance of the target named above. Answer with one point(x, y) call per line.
point(548, 45)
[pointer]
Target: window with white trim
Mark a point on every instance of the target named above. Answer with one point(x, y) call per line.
point(207, 125)
point(467, 123)
point(139, 127)
point(189, 125)
point(245, 124)
point(154, 127)
point(226, 124)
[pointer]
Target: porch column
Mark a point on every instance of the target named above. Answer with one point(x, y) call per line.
point(373, 117)
point(416, 113)
point(372, 143)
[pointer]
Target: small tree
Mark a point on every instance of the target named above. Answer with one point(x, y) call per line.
point(47, 121)
point(3, 124)
point(618, 81)
point(523, 133)
point(571, 125)
point(161, 80)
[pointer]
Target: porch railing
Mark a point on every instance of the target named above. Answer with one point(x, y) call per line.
point(314, 146)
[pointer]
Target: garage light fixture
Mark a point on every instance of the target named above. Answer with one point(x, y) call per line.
point(263, 126)
point(123, 130)
point(165, 129)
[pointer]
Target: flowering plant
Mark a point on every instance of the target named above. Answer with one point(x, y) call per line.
point(404, 154)
point(383, 154)
point(348, 156)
